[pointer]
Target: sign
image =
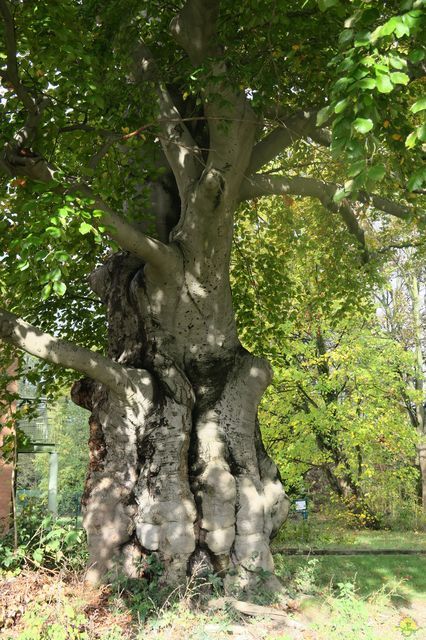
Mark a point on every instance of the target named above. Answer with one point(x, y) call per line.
point(300, 505)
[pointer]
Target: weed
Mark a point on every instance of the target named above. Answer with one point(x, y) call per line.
point(69, 625)
point(304, 579)
point(43, 541)
point(408, 627)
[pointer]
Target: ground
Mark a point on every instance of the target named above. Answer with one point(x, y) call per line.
point(371, 597)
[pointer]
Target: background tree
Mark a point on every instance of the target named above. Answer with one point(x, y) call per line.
point(126, 155)
point(337, 402)
point(402, 316)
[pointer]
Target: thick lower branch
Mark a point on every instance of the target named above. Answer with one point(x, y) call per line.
point(47, 347)
point(117, 228)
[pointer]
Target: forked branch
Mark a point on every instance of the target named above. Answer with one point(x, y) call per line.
point(182, 152)
point(230, 118)
point(180, 149)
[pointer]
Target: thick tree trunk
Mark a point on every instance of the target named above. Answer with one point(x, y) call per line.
point(179, 468)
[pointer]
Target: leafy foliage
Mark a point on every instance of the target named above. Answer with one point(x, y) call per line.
point(43, 541)
point(336, 405)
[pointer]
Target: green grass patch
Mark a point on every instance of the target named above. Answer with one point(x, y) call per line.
point(403, 576)
point(328, 535)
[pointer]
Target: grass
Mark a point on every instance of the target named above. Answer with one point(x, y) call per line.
point(367, 597)
point(404, 575)
point(358, 598)
point(328, 535)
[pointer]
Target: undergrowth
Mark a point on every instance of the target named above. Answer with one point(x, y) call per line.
point(43, 541)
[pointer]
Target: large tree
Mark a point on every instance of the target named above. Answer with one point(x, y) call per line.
point(132, 132)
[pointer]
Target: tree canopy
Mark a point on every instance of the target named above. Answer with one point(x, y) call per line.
point(80, 126)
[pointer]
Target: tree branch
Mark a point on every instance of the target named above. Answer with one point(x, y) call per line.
point(179, 147)
point(385, 205)
point(229, 115)
point(194, 28)
point(258, 185)
point(25, 336)
point(127, 236)
point(182, 152)
point(33, 107)
point(261, 185)
point(12, 74)
point(292, 128)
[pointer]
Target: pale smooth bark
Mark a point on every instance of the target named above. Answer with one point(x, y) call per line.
point(45, 346)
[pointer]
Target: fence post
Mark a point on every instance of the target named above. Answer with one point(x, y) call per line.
point(52, 501)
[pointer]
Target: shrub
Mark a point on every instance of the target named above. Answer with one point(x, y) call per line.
point(43, 541)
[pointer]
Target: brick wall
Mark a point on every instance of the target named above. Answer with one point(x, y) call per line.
point(6, 469)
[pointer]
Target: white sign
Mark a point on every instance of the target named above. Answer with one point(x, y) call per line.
point(300, 505)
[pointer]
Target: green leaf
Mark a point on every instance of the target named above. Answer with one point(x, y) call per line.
point(384, 83)
point(327, 4)
point(85, 228)
point(363, 39)
point(54, 232)
point(64, 212)
point(412, 19)
point(55, 275)
point(344, 191)
point(397, 62)
point(59, 288)
point(323, 115)
point(386, 29)
point(45, 292)
point(416, 55)
point(346, 36)
point(341, 105)
point(342, 83)
point(417, 180)
point(363, 125)
point(402, 29)
point(377, 172)
point(411, 140)
point(399, 78)
point(365, 83)
point(356, 168)
point(419, 105)
point(38, 556)
point(421, 132)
